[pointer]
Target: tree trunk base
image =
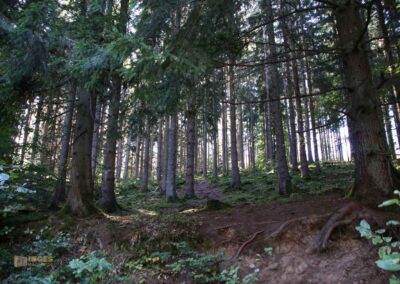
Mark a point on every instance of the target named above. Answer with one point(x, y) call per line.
point(107, 206)
point(80, 210)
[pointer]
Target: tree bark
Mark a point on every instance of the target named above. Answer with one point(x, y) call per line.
point(170, 189)
point(108, 201)
point(137, 156)
point(283, 170)
point(159, 149)
point(146, 156)
point(190, 150)
point(205, 156)
point(240, 137)
point(26, 133)
point(80, 196)
point(224, 140)
point(95, 141)
point(59, 194)
point(165, 155)
point(35, 137)
point(127, 155)
point(374, 174)
point(232, 113)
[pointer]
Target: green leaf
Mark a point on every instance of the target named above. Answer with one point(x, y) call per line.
point(392, 223)
point(390, 202)
point(394, 280)
point(390, 262)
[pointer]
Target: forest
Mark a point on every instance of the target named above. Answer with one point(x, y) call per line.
point(200, 141)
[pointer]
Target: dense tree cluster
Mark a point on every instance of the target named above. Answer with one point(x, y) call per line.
point(100, 90)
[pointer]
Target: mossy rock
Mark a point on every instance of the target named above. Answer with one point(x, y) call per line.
point(214, 204)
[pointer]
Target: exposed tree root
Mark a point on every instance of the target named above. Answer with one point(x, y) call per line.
point(247, 242)
point(346, 216)
point(300, 220)
point(227, 226)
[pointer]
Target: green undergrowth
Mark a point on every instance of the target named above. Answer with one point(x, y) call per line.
point(262, 185)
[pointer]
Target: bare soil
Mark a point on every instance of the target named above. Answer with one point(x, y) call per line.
point(291, 229)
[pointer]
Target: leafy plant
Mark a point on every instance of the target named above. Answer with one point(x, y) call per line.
point(389, 249)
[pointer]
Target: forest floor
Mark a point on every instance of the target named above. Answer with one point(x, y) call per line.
point(249, 236)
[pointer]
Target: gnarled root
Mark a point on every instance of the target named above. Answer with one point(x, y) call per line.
point(345, 216)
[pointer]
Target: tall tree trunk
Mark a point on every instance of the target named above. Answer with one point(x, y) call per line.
point(374, 175)
point(165, 155)
point(387, 51)
point(159, 149)
point(146, 156)
point(232, 113)
point(26, 133)
point(300, 123)
point(205, 156)
point(292, 122)
point(283, 170)
point(388, 128)
point(35, 137)
point(120, 151)
point(108, 200)
point(59, 193)
point(215, 153)
point(268, 141)
point(224, 141)
point(137, 156)
point(80, 196)
point(314, 134)
point(252, 157)
point(190, 150)
point(240, 137)
point(170, 189)
point(96, 129)
point(127, 155)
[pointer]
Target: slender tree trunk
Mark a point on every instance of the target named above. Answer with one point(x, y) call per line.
point(205, 156)
point(232, 113)
point(171, 166)
point(374, 175)
point(292, 122)
point(215, 153)
point(146, 157)
point(137, 156)
point(300, 124)
point(59, 194)
point(388, 128)
point(35, 137)
point(224, 141)
point(120, 151)
point(26, 133)
point(159, 150)
point(108, 200)
point(95, 142)
point(268, 140)
point(240, 137)
point(314, 134)
point(80, 196)
point(190, 150)
point(283, 170)
point(165, 155)
point(127, 155)
point(387, 51)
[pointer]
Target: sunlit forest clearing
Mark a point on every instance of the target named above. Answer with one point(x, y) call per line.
point(205, 141)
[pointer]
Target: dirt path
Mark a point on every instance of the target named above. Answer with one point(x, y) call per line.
point(245, 231)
